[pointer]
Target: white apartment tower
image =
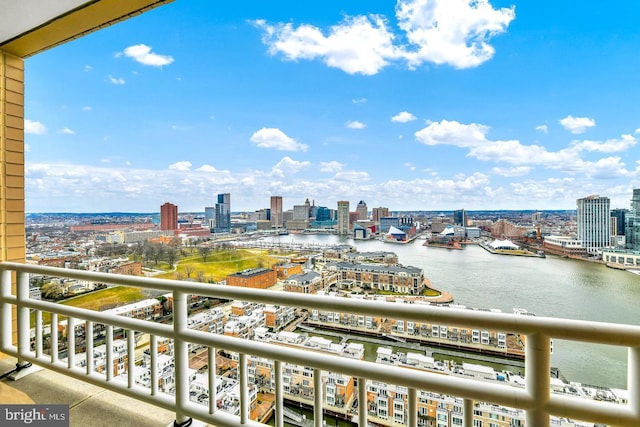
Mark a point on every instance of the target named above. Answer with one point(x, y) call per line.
point(343, 217)
point(594, 223)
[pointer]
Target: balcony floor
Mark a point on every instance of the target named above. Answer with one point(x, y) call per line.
point(89, 405)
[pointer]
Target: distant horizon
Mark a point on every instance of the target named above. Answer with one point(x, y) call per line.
point(248, 212)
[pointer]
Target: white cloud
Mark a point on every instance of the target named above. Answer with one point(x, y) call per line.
point(142, 53)
point(66, 131)
point(542, 128)
point(452, 32)
point(181, 166)
point(403, 117)
point(86, 108)
point(206, 168)
point(275, 138)
point(288, 166)
point(473, 136)
point(577, 125)
point(355, 125)
point(410, 166)
point(512, 172)
point(452, 133)
point(609, 146)
point(352, 176)
point(359, 101)
point(33, 127)
point(116, 81)
point(358, 45)
point(88, 68)
point(331, 166)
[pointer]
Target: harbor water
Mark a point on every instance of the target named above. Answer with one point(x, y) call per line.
point(551, 286)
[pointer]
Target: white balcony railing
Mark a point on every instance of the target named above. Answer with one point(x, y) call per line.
point(535, 398)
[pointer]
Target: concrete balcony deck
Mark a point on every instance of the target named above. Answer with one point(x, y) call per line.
point(89, 405)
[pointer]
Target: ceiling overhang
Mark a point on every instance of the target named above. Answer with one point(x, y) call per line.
point(31, 26)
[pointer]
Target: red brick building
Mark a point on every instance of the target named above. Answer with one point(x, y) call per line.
point(255, 278)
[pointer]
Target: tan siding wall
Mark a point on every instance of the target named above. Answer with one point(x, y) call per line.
point(12, 222)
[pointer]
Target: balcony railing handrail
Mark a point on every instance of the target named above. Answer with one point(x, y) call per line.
point(566, 329)
point(536, 398)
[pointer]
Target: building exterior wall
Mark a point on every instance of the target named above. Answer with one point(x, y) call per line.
point(276, 212)
point(168, 216)
point(260, 279)
point(594, 223)
point(343, 217)
point(12, 223)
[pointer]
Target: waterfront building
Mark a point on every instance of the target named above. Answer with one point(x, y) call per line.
point(276, 212)
point(387, 222)
point(564, 245)
point(343, 217)
point(362, 211)
point(285, 270)
point(306, 283)
point(593, 221)
point(460, 218)
point(223, 214)
point(505, 229)
point(377, 213)
point(168, 216)
point(632, 223)
point(407, 280)
point(619, 215)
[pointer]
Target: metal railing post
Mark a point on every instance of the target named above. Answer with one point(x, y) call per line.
point(180, 351)
point(362, 401)
point(71, 342)
point(538, 377)
point(153, 351)
point(467, 413)
point(279, 394)
point(88, 339)
point(633, 379)
point(24, 330)
point(317, 398)
point(413, 407)
point(244, 388)
point(53, 336)
point(5, 309)
point(211, 358)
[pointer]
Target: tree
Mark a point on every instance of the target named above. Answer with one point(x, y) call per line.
point(170, 254)
point(188, 270)
point(204, 251)
point(52, 290)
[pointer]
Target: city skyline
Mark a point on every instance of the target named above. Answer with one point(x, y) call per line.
point(525, 110)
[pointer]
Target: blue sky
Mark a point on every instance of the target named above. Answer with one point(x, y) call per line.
point(411, 105)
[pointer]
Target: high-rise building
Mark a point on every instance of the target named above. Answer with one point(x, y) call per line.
point(168, 216)
point(460, 217)
point(343, 217)
point(223, 213)
point(632, 222)
point(594, 223)
point(276, 212)
point(618, 217)
point(378, 213)
point(210, 217)
point(363, 213)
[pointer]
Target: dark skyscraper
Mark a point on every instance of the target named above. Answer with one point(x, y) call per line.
point(223, 213)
